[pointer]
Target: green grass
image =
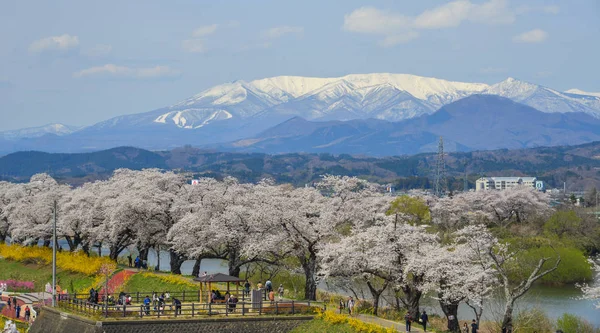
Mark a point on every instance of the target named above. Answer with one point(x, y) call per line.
point(42, 274)
point(141, 283)
point(320, 326)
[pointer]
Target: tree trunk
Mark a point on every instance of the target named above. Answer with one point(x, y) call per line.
point(310, 288)
point(85, 247)
point(71, 243)
point(376, 293)
point(196, 269)
point(450, 309)
point(47, 242)
point(411, 299)
point(114, 252)
point(143, 252)
point(234, 261)
point(176, 261)
point(507, 323)
point(100, 249)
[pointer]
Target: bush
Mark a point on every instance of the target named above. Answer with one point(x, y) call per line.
point(77, 262)
point(569, 323)
point(533, 320)
point(573, 267)
point(14, 285)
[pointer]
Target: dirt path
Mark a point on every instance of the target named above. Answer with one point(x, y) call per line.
point(398, 326)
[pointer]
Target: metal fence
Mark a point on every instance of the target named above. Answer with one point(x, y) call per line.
point(193, 309)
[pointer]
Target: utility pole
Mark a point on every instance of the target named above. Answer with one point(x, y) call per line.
point(54, 259)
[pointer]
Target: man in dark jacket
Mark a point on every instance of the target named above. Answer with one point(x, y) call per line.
point(424, 320)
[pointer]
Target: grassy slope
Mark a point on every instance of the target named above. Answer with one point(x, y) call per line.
point(42, 274)
point(320, 326)
point(142, 283)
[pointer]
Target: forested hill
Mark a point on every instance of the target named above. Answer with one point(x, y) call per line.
point(578, 166)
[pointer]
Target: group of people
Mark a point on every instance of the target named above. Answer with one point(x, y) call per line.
point(349, 304)
point(423, 318)
point(12, 302)
point(268, 287)
point(159, 302)
point(139, 263)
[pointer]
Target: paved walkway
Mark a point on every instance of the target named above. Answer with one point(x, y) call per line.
point(398, 326)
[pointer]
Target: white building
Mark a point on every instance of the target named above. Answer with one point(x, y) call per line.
point(502, 183)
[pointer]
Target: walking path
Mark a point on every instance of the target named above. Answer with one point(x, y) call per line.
point(398, 326)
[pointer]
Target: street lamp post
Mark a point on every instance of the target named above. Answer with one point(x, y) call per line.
point(54, 259)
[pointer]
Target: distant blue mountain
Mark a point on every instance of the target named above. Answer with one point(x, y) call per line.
point(477, 122)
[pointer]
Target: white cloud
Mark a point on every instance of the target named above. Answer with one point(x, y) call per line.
point(398, 28)
point(111, 70)
point(98, 50)
point(193, 45)
point(449, 15)
point(533, 36)
point(205, 31)
point(63, 42)
point(375, 21)
point(283, 30)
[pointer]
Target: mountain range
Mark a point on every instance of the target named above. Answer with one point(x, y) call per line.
point(577, 166)
point(232, 114)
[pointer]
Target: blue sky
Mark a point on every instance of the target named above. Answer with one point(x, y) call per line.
point(80, 62)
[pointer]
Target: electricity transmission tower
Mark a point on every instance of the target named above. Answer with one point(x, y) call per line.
point(466, 184)
point(441, 183)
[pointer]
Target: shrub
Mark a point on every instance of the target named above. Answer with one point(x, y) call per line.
point(569, 323)
point(358, 325)
point(77, 262)
point(533, 320)
point(573, 267)
point(15, 285)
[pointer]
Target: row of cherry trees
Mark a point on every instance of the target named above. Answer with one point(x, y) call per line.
point(343, 229)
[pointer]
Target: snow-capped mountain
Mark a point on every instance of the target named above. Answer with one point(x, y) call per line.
point(385, 96)
point(35, 132)
point(240, 109)
point(581, 92)
point(545, 99)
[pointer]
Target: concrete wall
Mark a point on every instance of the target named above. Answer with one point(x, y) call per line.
point(53, 321)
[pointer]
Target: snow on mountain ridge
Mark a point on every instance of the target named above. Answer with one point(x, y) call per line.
point(385, 96)
point(34, 132)
point(581, 92)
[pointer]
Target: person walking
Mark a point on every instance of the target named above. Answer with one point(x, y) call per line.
point(147, 302)
point(9, 302)
point(247, 288)
point(27, 313)
point(18, 311)
point(272, 296)
point(408, 320)
point(342, 305)
point(424, 320)
point(350, 305)
point(280, 291)
point(465, 328)
point(474, 326)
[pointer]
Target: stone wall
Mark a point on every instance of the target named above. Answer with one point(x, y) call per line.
point(53, 321)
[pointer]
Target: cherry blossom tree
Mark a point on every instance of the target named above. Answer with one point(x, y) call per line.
point(7, 191)
point(31, 214)
point(503, 261)
point(592, 292)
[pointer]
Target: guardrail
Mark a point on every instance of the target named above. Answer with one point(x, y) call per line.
point(163, 310)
